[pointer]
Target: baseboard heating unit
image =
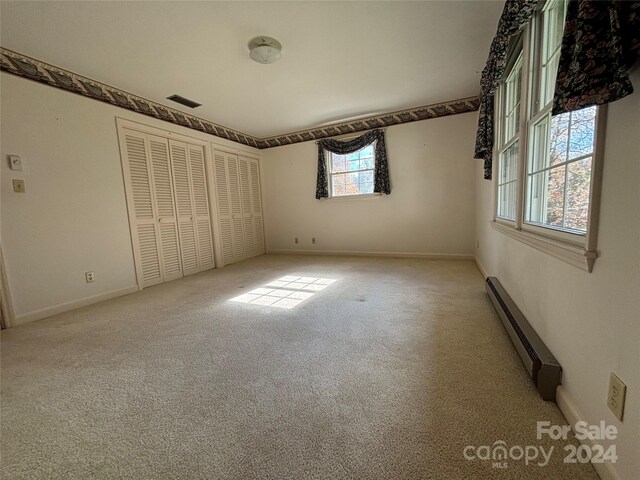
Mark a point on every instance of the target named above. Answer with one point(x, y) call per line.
point(544, 369)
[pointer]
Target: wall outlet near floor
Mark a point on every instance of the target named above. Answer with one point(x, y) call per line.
point(18, 186)
point(89, 277)
point(295, 240)
point(313, 239)
point(615, 398)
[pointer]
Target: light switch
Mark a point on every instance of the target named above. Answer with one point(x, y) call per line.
point(15, 162)
point(18, 186)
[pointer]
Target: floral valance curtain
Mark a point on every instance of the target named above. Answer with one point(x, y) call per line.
point(515, 16)
point(381, 171)
point(601, 42)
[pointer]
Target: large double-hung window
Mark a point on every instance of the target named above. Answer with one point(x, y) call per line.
point(548, 166)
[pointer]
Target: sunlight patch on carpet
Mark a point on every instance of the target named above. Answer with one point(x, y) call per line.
point(285, 292)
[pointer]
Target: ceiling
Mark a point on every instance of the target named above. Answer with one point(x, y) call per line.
point(340, 60)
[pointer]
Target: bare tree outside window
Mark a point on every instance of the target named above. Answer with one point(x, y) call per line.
point(352, 174)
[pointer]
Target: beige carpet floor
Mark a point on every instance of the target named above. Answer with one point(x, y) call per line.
point(388, 373)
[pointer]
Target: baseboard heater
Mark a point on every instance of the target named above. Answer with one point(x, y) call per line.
point(544, 369)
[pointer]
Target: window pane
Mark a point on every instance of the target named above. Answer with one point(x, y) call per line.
point(554, 211)
point(582, 136)
point(509, 163)
point(502, 201)
point(367, 163)
point(338, 163)
point(352, 184)
point(511, 110)
point(559, 138)
point(507, 182)
point(507, 201)
point(366, 177)
point(539, 153)
point(367, 151)
point(366, 187)
point(552, 29)
point(546, 197)
point(578, 187)
point(338, 185)
point(536, 198)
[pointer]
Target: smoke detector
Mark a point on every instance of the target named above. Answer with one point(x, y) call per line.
point(265, 49)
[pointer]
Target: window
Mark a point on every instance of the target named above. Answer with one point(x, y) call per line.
point(551, 201)
point(352, 174)
point(559, 171)
point(510, 142)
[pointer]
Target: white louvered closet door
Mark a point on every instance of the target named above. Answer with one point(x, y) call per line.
point(236, 207)
point(201, 207)
point(145, 227)
point(185, 207)
point(224, 205)
point(171, 264)
point(256, 203)
point(247, 207)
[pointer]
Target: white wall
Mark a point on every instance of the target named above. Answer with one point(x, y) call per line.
point(73, 216)
point(590, 321)
point(430, 209)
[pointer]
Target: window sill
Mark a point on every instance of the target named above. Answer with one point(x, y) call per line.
point(572, 254)
point(364, 196)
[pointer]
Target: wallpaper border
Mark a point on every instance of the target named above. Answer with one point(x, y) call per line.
point(27, 67)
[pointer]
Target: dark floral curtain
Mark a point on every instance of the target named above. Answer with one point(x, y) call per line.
point(381, 182)
point(601, 42)
point(515, 16)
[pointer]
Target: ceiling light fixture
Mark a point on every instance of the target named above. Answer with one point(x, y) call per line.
point(265, 49)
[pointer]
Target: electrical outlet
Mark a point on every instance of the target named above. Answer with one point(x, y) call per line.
point(313, 239)
point(295, 240)
point(15, 163)
point(615, 399)
point(18, 186)
point(89, 277)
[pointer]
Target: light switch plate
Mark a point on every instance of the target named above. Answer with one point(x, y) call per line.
point(18, 186)
point(615, 399)
point(15, 162)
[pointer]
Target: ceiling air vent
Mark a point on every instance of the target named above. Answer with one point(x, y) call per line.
point(184, 101)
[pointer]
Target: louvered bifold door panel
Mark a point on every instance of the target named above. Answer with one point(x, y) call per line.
point(166, 215)
point(224, 206)
point(184, 207)
point(140, 194)
point(201, 207)
point(247, 212)
point(256, 201)
point(236, 207)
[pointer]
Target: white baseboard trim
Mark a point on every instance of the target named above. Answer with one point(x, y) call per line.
point(339, 253)
point(606, 471)
point(65, 307)
point(483, 270)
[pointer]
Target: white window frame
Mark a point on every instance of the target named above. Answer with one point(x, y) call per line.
point(578, 249)
point(505, 144)
point(330, 174)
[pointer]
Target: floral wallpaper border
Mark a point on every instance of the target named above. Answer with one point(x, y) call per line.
point(24, 66)
point(443, 109)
